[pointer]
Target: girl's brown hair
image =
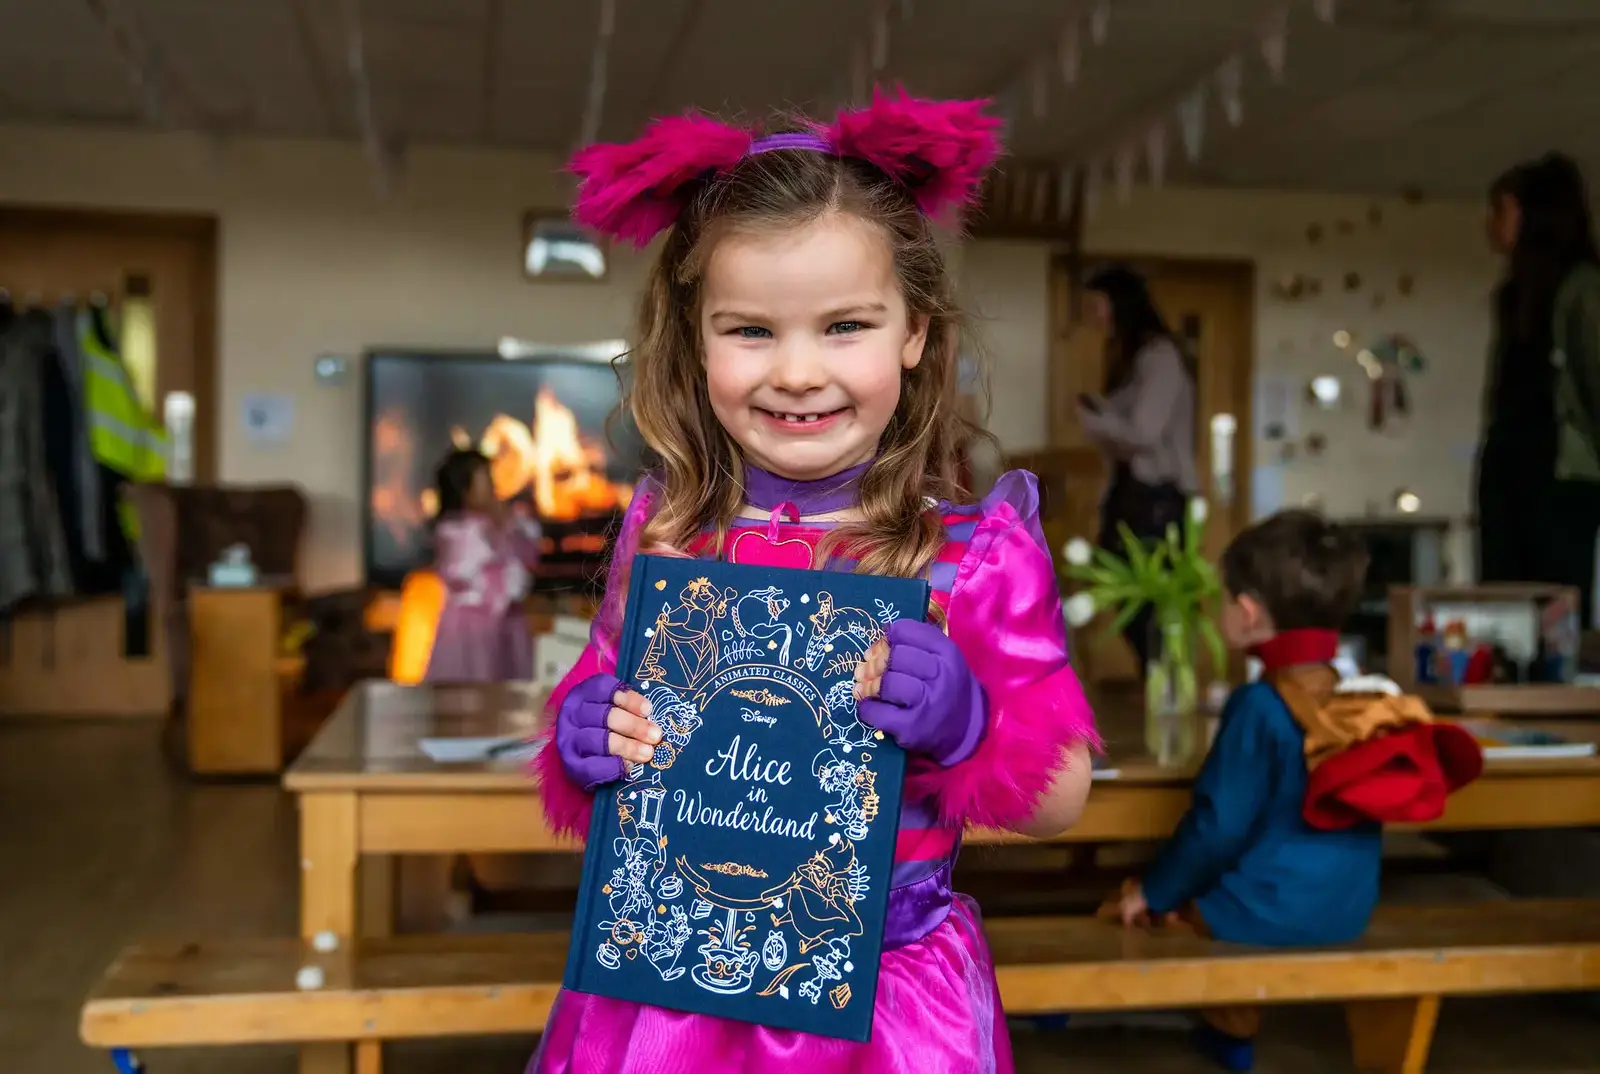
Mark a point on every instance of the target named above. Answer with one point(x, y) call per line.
point(702, 469)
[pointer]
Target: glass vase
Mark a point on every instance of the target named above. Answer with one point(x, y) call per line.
point(1172, 694)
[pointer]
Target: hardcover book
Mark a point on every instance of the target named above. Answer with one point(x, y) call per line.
point(743, 871)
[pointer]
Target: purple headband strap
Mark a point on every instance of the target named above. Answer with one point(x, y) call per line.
point(789, 140)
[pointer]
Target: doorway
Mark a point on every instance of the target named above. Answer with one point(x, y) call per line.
point(156, 276)
point(1209, 305)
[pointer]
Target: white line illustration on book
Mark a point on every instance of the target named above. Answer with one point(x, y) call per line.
point(662, 940)
point(758, 614)
point(839, 637)
point(775, 951)
point(846, 728)
point(684, 637)
point(856, 786)
point(665, 940)
point(678, 720)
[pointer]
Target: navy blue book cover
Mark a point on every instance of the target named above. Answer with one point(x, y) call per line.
point(744, 871)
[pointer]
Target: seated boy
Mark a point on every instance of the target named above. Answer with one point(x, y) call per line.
point(1282, 843)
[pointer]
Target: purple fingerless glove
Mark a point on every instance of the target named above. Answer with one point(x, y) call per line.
point(582, 734)
point(929, 700)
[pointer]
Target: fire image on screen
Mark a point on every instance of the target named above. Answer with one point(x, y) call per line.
point(543, 423)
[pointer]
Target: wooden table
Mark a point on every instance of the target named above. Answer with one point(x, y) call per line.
point(367, 792)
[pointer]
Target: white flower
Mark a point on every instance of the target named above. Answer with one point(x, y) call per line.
point(1078, 552)
point(1198, 509)
point(1079, 609)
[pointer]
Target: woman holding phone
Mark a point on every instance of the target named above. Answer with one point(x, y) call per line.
point(1144, 421)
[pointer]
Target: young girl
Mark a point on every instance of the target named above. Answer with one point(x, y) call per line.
point(483, 551)
point(796, 373)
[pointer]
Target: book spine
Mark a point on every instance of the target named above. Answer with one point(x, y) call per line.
point(604, 808)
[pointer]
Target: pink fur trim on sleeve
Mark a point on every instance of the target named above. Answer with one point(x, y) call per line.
point(566, 805)
point(1005, 616)
point(1025, 749)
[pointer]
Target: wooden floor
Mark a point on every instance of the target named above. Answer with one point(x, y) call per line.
point(101, 842)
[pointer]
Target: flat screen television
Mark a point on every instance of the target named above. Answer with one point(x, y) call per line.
point(545, 419)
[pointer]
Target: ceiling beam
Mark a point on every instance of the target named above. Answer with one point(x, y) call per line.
point(165, 98)
point(688, 22)
point(383, 154)
point(305, 29)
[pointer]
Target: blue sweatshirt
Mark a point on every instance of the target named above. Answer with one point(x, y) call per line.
point(1258, 873)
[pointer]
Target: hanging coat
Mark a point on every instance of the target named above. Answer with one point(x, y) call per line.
point(33, 550)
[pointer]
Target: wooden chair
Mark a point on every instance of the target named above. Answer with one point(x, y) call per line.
point(1391, 982)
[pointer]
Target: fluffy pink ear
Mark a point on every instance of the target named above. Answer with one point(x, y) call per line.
point(940, 150)
point(633, 191)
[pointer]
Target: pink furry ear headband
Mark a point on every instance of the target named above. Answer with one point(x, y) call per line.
point(938, 150)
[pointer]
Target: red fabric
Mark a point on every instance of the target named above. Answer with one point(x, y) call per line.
point(1399, 778)
point(1290, 648)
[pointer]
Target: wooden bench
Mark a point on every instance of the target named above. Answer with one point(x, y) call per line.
point(179, 995)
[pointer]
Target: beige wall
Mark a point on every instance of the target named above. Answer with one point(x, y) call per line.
point(313, 262)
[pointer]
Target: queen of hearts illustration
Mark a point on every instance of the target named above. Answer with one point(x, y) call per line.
point(683, 652)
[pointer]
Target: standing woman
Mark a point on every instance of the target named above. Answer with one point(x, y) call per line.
point(1144, 422)
point(1539, 462)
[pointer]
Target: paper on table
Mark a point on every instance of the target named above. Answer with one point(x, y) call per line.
point(467, 750)
point(1103, 769)
point(1501, 742)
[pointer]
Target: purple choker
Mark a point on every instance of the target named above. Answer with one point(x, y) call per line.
point(767, 491)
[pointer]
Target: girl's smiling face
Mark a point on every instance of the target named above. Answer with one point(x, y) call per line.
point(805, 336)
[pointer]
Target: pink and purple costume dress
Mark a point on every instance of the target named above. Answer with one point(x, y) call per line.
point(938, 1008)
point(482, 635)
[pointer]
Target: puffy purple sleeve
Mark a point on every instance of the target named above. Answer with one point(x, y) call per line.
point(1005, 617)
point(566, 805)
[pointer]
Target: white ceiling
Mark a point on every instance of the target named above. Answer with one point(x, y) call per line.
point(1439, 95)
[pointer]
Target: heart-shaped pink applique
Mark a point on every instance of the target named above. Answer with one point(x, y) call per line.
point(752, 547)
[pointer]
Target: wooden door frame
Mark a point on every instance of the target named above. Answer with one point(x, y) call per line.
point(201, 229)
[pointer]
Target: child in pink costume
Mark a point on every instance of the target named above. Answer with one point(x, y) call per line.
point(483, 552)
point(796, 373)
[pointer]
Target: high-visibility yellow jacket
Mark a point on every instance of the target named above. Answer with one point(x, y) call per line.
point(123, 436)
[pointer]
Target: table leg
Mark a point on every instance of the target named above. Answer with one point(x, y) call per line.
point(1392, 1036)
point(422, 894)
point(378, 880)
point(328, 899)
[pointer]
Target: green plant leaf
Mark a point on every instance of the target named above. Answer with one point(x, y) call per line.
point(1125, 616)
point(1138, 554)
point(1107, 558)
point(1213, 640)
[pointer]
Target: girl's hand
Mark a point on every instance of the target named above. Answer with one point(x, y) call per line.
point(915, 685)
point(869, 673)
point(601, 729)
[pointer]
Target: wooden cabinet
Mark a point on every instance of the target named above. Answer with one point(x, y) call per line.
point(239, 683)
